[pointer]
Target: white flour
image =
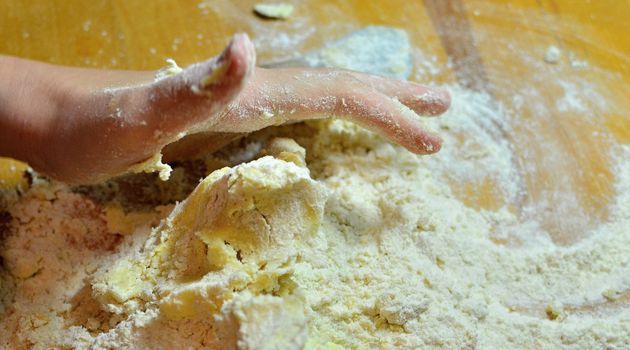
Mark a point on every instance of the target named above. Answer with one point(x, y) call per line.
point(399, 261)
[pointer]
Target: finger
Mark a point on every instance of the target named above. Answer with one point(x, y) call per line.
point(424, 100)
point(391, 119)
point(201, 91)
point(279, 96)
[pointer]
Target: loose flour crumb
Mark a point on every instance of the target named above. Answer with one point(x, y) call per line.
point(552, 55)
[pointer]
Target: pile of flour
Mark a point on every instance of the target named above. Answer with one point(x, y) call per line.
point(398, 259)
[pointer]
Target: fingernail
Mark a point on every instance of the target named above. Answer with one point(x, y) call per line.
point(434, 101)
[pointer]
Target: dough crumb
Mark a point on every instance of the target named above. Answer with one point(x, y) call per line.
point(153, 164)
point(171, 69)
point(274, 11)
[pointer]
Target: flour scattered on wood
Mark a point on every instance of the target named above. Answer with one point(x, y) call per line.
point(398, 259)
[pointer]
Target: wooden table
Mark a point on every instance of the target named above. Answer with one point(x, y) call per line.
point(489, 44)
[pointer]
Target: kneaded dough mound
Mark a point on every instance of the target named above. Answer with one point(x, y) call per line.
point(227, 252)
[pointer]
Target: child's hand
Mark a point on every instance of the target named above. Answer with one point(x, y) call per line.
point(86, 125)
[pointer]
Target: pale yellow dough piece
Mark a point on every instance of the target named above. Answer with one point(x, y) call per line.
point(227, 251)
point(276, 11)
point(171, 69)
point(153, 164)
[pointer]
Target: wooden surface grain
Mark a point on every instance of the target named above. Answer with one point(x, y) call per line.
point(494, 46)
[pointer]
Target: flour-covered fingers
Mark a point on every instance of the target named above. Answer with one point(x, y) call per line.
point(422, 99)
point(279, 96)
point(390, 118)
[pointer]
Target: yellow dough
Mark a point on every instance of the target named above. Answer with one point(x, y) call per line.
point(228, 250)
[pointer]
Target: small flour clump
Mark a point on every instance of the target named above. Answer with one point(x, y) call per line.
point(552, 55)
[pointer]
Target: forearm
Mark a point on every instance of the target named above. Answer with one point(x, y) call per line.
point(27, 105)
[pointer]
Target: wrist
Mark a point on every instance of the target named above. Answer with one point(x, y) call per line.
point(26, 109)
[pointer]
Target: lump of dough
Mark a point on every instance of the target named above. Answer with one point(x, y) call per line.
point(237, 232)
